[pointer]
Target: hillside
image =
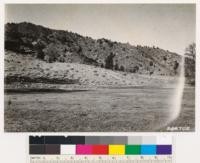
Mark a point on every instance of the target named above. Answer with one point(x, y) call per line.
point(63, 46)
point(28, 72)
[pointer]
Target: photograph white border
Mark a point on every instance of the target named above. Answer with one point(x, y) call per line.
point(181, 138)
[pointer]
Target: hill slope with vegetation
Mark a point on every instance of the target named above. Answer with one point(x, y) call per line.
point(63, 46)
point(52, 46)
point(21, 71)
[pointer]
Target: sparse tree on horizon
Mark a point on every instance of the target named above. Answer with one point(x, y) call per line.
point(190, 51)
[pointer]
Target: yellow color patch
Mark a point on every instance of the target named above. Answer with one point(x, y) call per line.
point(116, 149)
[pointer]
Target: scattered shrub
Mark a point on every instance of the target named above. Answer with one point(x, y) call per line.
point(176, 65)
point(116, 66)
point(102, 66)
point(109, 61)
point(51, 53)
point(151, 63)
point(122, 68)
point(135, 69)
point(150, 73)
point(61, 58)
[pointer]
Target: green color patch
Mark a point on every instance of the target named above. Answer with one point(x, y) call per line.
point(133, 149)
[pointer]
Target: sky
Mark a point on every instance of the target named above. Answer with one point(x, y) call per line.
point(167, 26)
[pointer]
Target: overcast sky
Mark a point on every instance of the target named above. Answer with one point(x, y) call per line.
point(168, 26)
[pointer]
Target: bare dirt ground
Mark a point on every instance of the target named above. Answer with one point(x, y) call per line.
point(132, 109)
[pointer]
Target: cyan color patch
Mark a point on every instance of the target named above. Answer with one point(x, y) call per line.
point(148, 149)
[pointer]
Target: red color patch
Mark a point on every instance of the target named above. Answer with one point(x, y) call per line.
point(100, 149)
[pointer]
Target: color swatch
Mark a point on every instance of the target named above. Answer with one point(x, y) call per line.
point(99, 145)
point(148, 149)
point(133, 149)
point(116, 149)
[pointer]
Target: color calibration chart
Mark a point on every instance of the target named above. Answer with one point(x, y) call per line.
point(100, 149)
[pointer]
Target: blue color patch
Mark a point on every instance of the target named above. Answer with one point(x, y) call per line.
point(148, 149)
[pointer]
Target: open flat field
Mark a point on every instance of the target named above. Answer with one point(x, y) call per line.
point(116, 109)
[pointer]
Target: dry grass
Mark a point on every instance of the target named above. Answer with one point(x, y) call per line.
point(107, 110)
point(61, 121)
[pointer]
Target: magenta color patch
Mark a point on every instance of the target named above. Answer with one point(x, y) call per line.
point(83, 149)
